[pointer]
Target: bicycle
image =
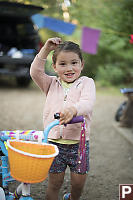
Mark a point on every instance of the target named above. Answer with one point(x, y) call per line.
point(22, 192)
point(128, 92)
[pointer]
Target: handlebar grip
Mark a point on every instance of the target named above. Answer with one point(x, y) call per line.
point(76, 119)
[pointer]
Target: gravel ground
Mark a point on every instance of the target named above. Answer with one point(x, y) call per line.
point(111, 156)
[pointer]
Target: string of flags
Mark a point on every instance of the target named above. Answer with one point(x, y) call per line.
point(53, 24)
point(89, 39)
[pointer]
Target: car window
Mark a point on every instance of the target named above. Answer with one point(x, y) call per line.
point(25, 29)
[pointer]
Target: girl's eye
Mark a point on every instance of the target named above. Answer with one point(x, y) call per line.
point(62, 64)
point(74, 63)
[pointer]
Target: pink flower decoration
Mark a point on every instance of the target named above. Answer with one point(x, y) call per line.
point(131, 41)
point(131, 37)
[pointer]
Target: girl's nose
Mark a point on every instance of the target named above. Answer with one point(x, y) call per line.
point(69, 67)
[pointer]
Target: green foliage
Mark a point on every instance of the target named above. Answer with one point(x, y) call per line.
point(114, 19)
point(110, 74)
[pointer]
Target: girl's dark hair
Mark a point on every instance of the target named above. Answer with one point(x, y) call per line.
point(67, 46)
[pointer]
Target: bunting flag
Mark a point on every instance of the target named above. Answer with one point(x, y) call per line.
point(38, 19)
point(90, 37)
point(89, 40)
point(59, 25)
point(53, 24)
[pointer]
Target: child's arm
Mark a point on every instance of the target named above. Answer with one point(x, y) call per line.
point(37, 71)
point(49, 46)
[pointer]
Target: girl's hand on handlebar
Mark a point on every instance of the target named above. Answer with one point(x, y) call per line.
point(67, 114)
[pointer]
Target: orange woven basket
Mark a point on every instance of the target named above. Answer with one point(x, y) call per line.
point(29, 161)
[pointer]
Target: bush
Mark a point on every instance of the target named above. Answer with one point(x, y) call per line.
point(110, 74)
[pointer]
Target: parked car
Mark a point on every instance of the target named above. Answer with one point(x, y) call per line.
point(19, 40)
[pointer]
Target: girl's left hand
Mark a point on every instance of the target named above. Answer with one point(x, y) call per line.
point(67, 114)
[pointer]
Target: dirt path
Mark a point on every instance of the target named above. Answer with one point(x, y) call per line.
point(111, 157)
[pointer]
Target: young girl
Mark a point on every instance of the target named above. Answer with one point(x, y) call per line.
point(70, 95)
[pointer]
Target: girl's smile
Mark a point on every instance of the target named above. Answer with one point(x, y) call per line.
point(68, 66)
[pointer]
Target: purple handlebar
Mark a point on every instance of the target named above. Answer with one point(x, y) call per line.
point(77, 119)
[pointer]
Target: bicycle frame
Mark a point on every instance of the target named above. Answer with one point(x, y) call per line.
point(23, 189)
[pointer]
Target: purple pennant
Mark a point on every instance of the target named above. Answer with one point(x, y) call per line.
point(90, 38)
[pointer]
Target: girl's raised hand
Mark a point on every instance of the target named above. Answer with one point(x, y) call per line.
point(49, 46)
point(52, 43)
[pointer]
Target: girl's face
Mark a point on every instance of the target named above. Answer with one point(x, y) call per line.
point(68, 66)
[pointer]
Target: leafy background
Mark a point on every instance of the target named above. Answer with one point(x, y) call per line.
point(113, 63)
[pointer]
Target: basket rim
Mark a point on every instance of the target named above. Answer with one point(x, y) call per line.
point(30, 154)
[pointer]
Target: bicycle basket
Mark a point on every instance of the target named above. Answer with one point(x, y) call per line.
point(29, 161)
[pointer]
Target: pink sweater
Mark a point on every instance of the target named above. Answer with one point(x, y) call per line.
point(81, 95)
